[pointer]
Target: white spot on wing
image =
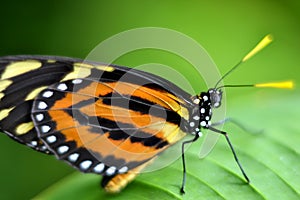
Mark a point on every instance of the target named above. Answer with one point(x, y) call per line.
point(111, 170)
point(42, 105)
point(73, 157)
point(34, 143)
point(43, 148)
point(62, 86)
point(84, 165)
point(47, 94)
point(51, 139)
point(62, 149)
point(77, 81)
point(45, 128)
point(39, 117)
point(123, 170)
point(202, 110)
point(205, 98)
point(99, 168)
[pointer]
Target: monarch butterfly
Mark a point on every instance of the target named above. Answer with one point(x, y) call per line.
point(103, 119)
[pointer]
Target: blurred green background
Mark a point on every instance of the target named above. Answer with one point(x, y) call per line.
point(226, 29)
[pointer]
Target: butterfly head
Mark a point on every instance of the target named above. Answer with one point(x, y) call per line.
point(206, 101)
point(215, 97)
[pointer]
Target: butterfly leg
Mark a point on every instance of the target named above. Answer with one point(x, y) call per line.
point(223, 121)
point(115, 183)
point(183, 161)
point(238, 124)
point(232, 150)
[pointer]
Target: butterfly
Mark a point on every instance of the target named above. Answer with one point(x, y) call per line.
point(99, 118)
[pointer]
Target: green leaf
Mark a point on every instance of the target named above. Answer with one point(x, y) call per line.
point(270, 158)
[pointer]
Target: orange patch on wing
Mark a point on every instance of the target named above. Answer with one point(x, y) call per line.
point(81, 135)
point(122, 149)
point(147, 123)
point(62, 119)
point(119, 114)
point(162, 98)
point(69, 100)
point(96, 89)
point(100, 143)
point(131, 147)
point(136, 151)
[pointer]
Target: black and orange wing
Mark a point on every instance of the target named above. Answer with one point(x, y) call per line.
point(21, 79)
point(99, 118)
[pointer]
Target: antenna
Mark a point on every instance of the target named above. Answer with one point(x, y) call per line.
point(262, 44)
point(282, 85)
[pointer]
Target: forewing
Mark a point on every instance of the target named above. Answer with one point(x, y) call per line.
point(107, 127)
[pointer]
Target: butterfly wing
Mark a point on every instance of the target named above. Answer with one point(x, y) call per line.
point(21, 79)
point(99, 118)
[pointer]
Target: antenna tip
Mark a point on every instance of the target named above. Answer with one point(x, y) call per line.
point(269, 37)
point(262, 44)
point(282, 85)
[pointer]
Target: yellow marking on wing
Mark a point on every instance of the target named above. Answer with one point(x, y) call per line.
point(82, 70)
point(118, 182)
point(100, 67)
point(105, 68)
point(183, 112)
point(20, 67)
point(4, 84)
point(1, 95)
point(84, 65)
point(51, 61)
point(174, 97)
point(172, 132)
point(24, 128)
point(5, 112)
point(34, 93)
point(175, 136)
point(78, 72)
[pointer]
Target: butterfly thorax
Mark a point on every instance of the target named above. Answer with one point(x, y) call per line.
point(202, 113)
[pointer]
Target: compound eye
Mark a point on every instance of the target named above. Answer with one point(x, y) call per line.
point(216, 98)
